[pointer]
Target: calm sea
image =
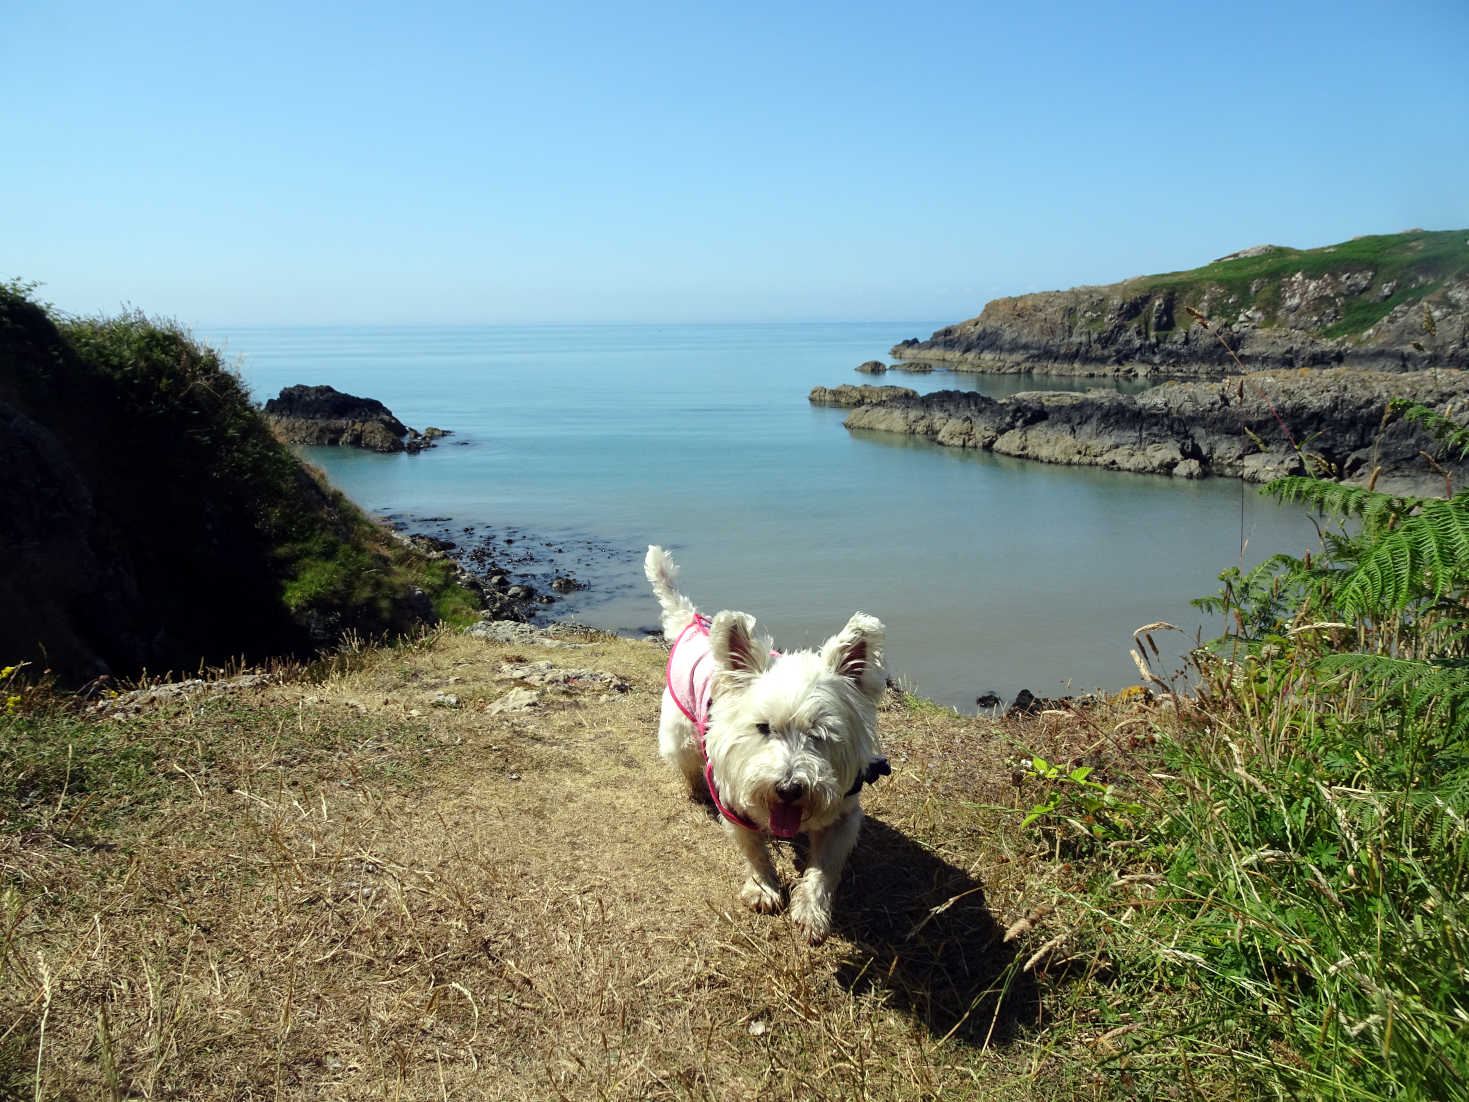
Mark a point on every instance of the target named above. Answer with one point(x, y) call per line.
point(583, 444)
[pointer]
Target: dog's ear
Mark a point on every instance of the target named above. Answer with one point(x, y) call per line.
point(735, 646)
point(855, 653)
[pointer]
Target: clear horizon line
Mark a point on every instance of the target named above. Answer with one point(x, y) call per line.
point(541, 324)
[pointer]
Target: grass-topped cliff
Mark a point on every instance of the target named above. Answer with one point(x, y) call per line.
point(1387, 302)
point(151, 519)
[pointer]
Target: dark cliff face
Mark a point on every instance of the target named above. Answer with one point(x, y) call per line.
point(149, 519)
point(1384, 303)
point(126, 545)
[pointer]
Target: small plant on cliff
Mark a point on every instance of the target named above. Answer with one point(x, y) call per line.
point(11, 689)
point(1079, 810)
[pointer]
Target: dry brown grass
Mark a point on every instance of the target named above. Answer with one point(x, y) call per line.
point(348, 891)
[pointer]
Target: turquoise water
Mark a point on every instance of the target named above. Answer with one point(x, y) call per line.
point(586, 443)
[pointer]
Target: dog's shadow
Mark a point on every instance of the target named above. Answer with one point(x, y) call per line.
point(923, 935)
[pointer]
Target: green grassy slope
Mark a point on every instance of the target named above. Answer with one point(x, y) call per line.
point(154, 522)
point(1415, 265)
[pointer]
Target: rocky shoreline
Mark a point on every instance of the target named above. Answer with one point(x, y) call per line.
point(1241, 426)
point(518, 576)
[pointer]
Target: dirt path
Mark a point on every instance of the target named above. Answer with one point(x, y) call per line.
point(369, 889)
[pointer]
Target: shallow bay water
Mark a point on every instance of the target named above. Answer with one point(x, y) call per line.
point(584, 444)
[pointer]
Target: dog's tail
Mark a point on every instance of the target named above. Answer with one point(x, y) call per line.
point(662, 572)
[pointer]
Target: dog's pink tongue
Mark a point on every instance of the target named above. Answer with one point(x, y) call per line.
point(785, 819)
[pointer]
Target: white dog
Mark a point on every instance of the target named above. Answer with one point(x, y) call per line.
point(782, 742)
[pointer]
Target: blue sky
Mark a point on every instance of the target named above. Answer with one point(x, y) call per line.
point(479, 162)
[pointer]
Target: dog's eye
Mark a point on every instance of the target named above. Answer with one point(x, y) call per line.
point(763, 728)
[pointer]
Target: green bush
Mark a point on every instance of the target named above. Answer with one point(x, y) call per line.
point(208, 538)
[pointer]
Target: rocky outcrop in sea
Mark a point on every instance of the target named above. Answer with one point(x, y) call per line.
point(323, 415)
point(847, 396)
point(1241, 426)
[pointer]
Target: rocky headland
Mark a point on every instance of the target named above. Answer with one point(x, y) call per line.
point(1384, 303)
point(323, 415)
point(1256, 426)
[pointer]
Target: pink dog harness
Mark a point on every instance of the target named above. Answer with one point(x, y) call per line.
point(691, 673)
point(690, 679)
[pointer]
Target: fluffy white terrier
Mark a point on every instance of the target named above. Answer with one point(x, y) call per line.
point(782, 742)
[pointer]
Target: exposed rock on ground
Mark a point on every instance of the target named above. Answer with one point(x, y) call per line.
point(1237, 426)
point(872, 367)
point(516, 700)
point(516, 632)
point(543, 674)
point(134, 702)
point(323, 415)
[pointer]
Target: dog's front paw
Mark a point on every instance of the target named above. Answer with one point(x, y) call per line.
point(760, 895)
point(811, 912)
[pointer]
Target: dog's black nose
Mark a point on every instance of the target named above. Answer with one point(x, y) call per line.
point(790, 791)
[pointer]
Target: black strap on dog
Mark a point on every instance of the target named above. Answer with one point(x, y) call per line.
point(877, 767)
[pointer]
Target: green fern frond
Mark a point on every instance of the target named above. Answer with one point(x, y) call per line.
point(1385, 675)
point(1265, 598)
point(1437, 809)
point(1444, 429)
point(1415, 686)
point(1341, 549)
point(1376, 510)
point(1436, 815)
point(1446, 686)
point(1427, 554)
